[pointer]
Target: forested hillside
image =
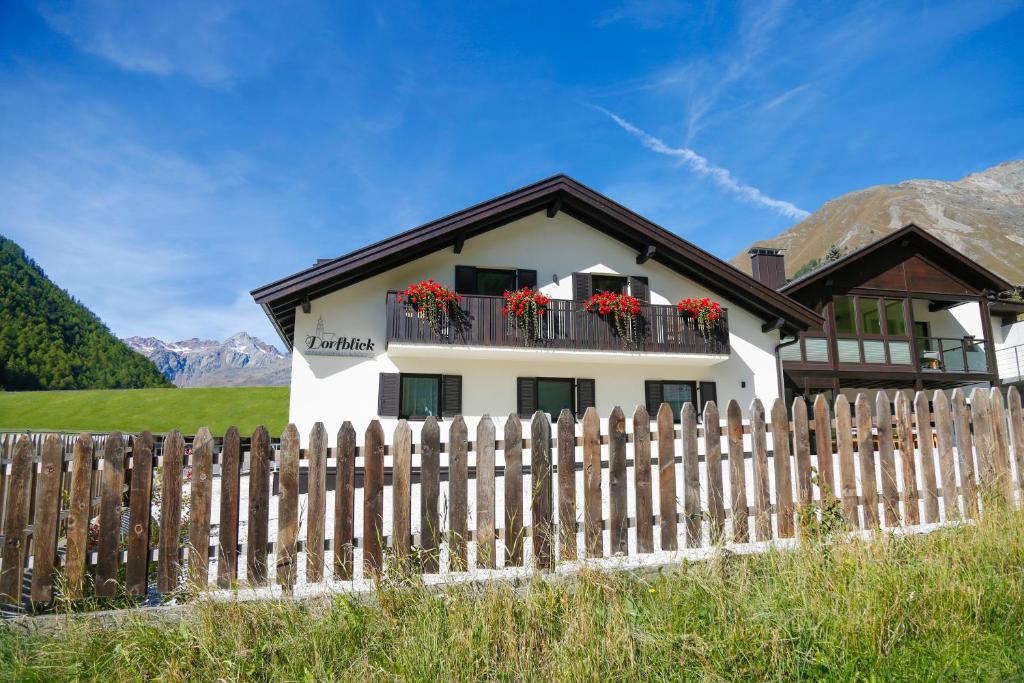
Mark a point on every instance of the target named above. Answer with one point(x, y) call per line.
point(48, 340)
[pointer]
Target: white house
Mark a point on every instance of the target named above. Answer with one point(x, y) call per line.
point(362, 354)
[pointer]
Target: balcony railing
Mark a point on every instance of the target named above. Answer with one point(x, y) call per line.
point(565, 325)
point(949, 354)
point(1010, 363)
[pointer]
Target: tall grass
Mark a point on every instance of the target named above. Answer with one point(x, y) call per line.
point(946, 606)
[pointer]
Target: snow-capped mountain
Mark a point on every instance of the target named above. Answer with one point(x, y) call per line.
point(240, 360)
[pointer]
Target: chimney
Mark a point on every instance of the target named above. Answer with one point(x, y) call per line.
point(768, 266)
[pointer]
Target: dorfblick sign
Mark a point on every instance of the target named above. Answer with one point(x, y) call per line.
point(322, 343)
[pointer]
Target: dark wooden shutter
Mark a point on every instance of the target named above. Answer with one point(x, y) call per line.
point(526, 396)
point(708, 392)
point(388, 394)
point(465, 279)
point(451, 395)
point(581, 286)
point(584, 396)
point(638, 288)
point(526, 278)
point(654, 394)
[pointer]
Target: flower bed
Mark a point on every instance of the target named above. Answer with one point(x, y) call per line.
point(431, 301)
point(523, 310)
point(704, 312)
point(622, 310)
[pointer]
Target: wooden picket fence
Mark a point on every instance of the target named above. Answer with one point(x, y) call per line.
point(921, 462)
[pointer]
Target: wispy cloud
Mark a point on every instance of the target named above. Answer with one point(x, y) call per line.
point(212, 42)
point(648, 14)
point(153, 242)
point(700, 165)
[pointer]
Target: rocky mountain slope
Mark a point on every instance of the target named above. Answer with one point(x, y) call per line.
point(240, 360)
point(981, 215)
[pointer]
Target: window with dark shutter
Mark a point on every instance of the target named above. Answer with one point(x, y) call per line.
point(526, 278)
point(708, 392)
point(654, 394)
point(388, 393)
point(638, 288)
point(451, 395)
point(465, 279)
point(585, 397)
point(676, 393)
point(581, 286)
point(526, 396)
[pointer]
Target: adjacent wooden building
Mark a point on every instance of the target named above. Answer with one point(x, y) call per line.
point(905, 312)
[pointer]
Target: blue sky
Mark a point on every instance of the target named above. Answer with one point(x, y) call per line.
point(161, 161)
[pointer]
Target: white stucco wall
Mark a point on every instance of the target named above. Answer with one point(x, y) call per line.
point(1007, 335)
point(333, 389)
point(957, 322)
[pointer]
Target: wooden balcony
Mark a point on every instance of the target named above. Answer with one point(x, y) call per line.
point(565, 326)
point(935, 355)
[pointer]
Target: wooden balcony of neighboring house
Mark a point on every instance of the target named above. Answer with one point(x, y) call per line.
point(565, 332)
point(938, 356)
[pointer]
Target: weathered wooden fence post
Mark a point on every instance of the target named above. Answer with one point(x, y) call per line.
point(259, 507)
point(667, 478)
point(286, 548)
point(965, 452)
point(887, 462)
point(430, 493)
point(110, 516)
point(316, 503)
point(642, 480)
point(713, 461)
point(541, 503)
point(199, 517)
point(947, 467)
point(373, 500)
point(823, 446)
point(691, 477)
point(137, 567)
point(762, 496)
point(905, 432)
point(345, 501)
point(737, 473)
point(618, 510)
point(1001, 443)
point(44, 535)
point(847, 473)
point(15, 521)
point(401, 485)
point(230, 482)
point(1017, 434)
point(567, 485)
point(981, 420)
point(78, 516)
point(802, 455)
point(514, 533)
point(866, 456)
point(592, 515)
point(458, 493)
point(485, 494)
point(925, 441)
point(783, 469)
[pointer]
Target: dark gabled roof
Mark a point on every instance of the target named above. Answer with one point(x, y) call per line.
point(979, 273)
point(558, 193)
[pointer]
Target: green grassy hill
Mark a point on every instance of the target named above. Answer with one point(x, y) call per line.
point(49, 340)
point(158, 410)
